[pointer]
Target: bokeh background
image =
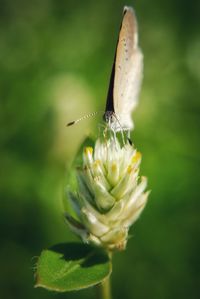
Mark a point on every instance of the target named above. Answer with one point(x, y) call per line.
point(55, 62)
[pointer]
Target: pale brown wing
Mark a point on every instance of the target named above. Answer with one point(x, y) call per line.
point(128, 70)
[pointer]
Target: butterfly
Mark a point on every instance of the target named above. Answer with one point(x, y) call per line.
point(126, 75)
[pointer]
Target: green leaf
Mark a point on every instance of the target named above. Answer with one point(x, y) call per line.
point(72, 266)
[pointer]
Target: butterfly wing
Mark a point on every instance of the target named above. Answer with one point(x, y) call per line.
point(128, 71)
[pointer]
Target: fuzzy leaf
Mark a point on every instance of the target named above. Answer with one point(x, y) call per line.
point(71, 266)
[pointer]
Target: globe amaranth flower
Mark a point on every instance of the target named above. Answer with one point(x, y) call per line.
point(110, 195)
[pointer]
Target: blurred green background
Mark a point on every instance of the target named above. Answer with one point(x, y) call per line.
point(55, 62)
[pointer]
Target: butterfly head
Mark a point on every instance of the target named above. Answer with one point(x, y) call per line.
point(109, 117)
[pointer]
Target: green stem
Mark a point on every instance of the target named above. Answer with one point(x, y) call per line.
point(104, 289)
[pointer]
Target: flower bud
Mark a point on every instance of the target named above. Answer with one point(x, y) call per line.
point(110, 195)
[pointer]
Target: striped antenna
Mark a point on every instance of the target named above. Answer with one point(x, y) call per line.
point(74, 122)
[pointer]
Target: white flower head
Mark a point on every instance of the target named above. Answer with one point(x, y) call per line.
point(110, 195)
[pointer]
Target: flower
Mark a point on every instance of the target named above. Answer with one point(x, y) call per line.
point(110, 195)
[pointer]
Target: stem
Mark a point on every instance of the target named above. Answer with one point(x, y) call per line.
point(104, 289)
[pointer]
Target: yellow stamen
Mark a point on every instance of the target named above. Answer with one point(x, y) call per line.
point(114, 167)
point(136, 157)
point(88, 150)
point(96, 163)
point(130, 169)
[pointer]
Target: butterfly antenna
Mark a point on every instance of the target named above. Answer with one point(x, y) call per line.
point(74, 122)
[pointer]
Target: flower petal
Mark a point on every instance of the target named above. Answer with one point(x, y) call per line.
point(88, 156)
point(98, 172)
point(73, 199)
point(76, 226)
point(132, 199)
point(113, 215)
point(113, 173)
point(94, 226)
point(103, 199)
point(126, 184)
point(135, 212)
point(116, 237)
point(84, 186)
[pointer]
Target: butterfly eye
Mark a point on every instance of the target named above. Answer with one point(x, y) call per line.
point(108, 116)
